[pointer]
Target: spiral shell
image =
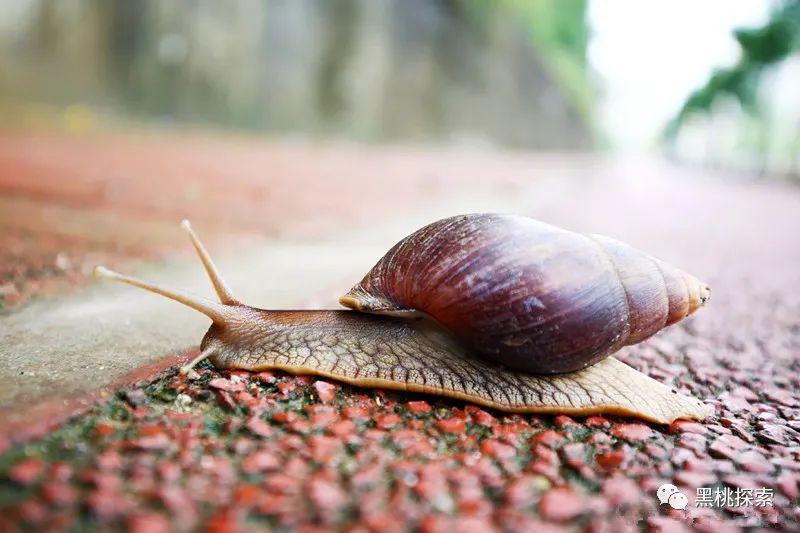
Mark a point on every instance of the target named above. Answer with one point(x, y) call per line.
point(529, 295)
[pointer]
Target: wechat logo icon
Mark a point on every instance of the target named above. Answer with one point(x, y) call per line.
point(669, 494)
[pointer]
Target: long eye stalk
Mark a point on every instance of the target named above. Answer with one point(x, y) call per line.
point(218, 312)
point(223, 291)
point(187, 370)
point(211, 309)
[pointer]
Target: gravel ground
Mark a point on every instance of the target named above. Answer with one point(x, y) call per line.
point(239, 451)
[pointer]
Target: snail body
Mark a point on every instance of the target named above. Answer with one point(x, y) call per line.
point(503, 311)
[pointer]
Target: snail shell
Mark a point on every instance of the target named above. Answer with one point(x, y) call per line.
point(529, 295)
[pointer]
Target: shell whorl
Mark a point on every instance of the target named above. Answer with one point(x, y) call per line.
point(657, 294)
point(527, 294)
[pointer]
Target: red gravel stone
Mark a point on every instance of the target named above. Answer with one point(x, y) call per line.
point(752, 461)
point(260, 461)
point(574, 453)
point(324, 449)
point(550, 438)
point(284, 417)
point(611, 460)
point(662, 524)
point(27, 471)
point(225, 400)
point(460, 413)
point(563, 421)
point(60, 471)
point(226, 384)
point(599, 438)
point(692, 441)
point(656, 452)
point(451, 425)
point(31, 512)
point(136, 397)
point(726, 447)
point(621, 490)
point(224, 521)
point(693, 464)
point(258, 427)
point(789, 484)
point(355, 413)
point(327, 496)
point(710, 524)
point(520, 492)
point(694, 479)
point(158, 441)
point(418, 407)
point(782, 397)
point(742, 481)
point(322, 416)
point(265, 377)
point(561, 504)
point(287, 387)
point(632, 432)
point(58, 493)
point(497, 449)
point(247, 495)
point(734, 404)
point(300, 426)
point(679, 426)
point(246, 399)
point(597, 422)
point(103, 430)
point(326, 391)
point(482, 417)
point(387, 421)
point(106, 504)
point(509, 433)
point(772, 434)
point(342, 428)
point(148, 523)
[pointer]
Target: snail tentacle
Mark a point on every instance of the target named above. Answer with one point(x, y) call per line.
point(188, 369)
point(217, 312)
point(224, 292)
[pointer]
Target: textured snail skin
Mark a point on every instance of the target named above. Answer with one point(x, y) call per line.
point(416, 355)
point(532, 296)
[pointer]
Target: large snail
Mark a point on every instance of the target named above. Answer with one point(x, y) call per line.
point(503, 311)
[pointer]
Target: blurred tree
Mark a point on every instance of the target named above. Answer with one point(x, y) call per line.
point(559, 30)
point(760, 48)
point(510, 72)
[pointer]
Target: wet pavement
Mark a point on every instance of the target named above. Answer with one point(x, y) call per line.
point(241, 451)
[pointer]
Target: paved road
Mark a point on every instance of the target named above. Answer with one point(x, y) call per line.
point(740, 354)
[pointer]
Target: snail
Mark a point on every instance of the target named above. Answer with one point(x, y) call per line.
point(499, 310)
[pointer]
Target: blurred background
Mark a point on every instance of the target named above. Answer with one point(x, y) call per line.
point(714, 83)
point(304, 116)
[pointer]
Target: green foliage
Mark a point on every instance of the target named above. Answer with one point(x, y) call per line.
point(559, 31)
point(760, 48)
